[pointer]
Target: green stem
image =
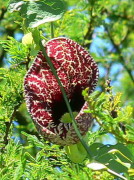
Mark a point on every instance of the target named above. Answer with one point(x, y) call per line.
point(52, 30)
point(66, 101)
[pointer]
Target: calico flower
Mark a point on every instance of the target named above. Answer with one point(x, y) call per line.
point(76, 70)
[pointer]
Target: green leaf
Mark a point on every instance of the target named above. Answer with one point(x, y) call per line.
point(15, 5)
point(30, 157)
point(117, 167)
point(125, 151)
point(36, 13)
point(96, 166)
point(34, 139)
point(94, 148)
point(66, 117)
point(115, 157)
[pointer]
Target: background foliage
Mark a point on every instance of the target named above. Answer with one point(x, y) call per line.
point(105, 29)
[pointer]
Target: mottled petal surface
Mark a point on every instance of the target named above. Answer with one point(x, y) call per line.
point(76, 70)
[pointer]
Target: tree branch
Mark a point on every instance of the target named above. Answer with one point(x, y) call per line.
point(3, 11)
point(8, 125)
point(89, 33)
point(122, 61)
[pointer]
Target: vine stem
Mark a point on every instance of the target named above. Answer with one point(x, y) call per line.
point(66, 101)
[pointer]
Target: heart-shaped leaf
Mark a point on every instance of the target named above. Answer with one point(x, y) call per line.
point(36, 13)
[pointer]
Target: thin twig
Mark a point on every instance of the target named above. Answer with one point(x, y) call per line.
point(16, 65)
point(26, 63)
point(28, 60)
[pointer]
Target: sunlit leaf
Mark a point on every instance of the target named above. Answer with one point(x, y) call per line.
point(36, 13)
point(96, 166)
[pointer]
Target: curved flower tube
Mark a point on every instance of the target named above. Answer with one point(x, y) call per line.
point(76, 70)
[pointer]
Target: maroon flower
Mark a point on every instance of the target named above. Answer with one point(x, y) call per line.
point(76, 70)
